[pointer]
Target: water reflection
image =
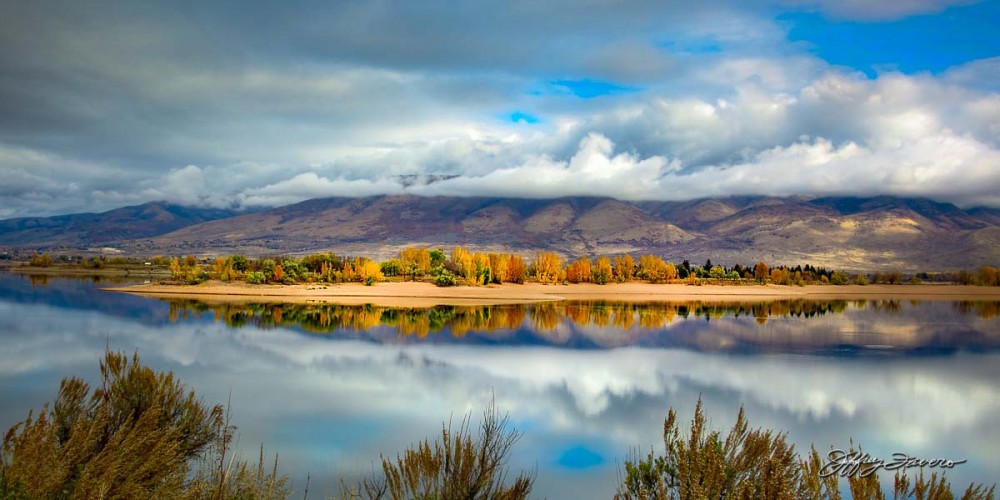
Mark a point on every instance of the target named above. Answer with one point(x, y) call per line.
point(332, 387)
point(800, 326)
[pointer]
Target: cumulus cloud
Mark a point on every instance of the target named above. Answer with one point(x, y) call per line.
point(945, 166)
point(120, 106)
point(594, 170)
point(310, 185)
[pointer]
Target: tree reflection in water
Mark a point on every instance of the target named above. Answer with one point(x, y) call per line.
point(779, 325)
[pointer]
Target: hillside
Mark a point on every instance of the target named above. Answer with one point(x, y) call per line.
point(839, 232)
point(94, 229)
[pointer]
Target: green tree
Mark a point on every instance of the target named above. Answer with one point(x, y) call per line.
point(438, 257)
point(717, 273)
point(240, 263)
point(392, 267)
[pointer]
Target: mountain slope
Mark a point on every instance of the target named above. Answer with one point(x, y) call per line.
point(838, 232)
point(90, 229)
point(383, 223)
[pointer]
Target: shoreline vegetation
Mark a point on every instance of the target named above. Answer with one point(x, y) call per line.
point(143, 434)
point(421, 276)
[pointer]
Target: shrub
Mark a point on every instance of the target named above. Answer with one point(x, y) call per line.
point(445, 278)
point(755, 464)
point(138, 435)
point(745, 464)
point(256, 278)
point(42, 260)
point(457, 465)
point(197, 277)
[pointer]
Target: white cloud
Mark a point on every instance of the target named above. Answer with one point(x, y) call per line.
point(943, 165)
point(594, 170)
point(867, 10)
point(310, 185)
point(306, 119)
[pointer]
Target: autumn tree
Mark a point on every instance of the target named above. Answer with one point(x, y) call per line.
point(624, 269)
point(482, 272)
point(176, 272)
point(368, 271)
point(989, 276)
point(222, 269)
point(602, 271)
point(516, 269)
point(499, 264)
point(43, 260)
point(415, 261)
point(579, 271)
point(655, 270)
point(461, 258)
point(548, 267)
point(761, 272)
point(780, 276)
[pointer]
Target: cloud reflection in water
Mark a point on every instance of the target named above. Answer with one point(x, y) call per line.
point(584, 391)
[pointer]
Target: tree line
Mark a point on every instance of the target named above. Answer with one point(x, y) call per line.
point(464, 267)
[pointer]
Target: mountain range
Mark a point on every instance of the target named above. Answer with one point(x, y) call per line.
point(838, 232)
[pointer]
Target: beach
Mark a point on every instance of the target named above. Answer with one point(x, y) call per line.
point(421, 294)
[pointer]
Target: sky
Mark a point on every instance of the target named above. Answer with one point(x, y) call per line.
point(254, 103)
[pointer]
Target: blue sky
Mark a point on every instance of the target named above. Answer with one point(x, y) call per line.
point(259, 105)
point(919, 43)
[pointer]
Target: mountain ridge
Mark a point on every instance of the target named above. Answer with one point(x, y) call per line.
point(855, 233)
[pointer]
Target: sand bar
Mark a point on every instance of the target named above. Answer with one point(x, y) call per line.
point(417, 294)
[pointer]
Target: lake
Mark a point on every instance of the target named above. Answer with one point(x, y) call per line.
point(331, 387)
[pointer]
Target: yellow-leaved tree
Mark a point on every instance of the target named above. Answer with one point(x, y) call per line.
point(548, 267)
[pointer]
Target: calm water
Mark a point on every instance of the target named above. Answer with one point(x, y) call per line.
point(331, 387)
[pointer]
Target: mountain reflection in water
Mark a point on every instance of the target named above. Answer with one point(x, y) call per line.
point(803, 326)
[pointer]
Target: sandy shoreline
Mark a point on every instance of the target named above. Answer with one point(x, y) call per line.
point(410, 294)
point(76, 271)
